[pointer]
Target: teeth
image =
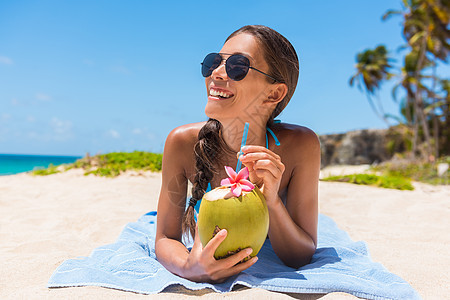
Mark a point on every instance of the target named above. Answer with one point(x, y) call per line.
point(219, 93)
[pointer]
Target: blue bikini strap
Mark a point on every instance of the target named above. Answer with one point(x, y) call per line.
point(277, 142)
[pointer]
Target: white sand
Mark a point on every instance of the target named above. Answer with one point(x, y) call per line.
point(45, 220)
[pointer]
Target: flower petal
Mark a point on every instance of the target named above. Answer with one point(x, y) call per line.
point(226, 182)
point(246, 188)
point(246, 185)
point(236, 190)
point(231, 173)
point(243, 174)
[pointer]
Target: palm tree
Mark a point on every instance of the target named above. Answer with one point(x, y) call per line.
point(372, 68)
point(425, 28)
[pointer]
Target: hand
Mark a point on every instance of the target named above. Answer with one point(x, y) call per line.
point(265, 170)
point(201, 266)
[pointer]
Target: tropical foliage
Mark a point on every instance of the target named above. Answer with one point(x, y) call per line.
point(112, 164)
point(426, 103)
point(422, 171)
point(385, 181)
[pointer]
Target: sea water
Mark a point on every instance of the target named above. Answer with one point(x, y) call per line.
point(17, 163)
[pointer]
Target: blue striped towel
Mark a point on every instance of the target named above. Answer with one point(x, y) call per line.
point(339, 265)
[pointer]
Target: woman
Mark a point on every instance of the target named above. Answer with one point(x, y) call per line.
point(251, 80)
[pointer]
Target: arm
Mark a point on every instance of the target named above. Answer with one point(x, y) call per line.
point(293, 228)
point(168, 247)
point(199, 264)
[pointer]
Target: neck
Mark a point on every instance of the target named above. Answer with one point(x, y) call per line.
point(233, 129)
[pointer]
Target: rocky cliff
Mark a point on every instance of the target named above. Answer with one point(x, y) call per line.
point(366, 146)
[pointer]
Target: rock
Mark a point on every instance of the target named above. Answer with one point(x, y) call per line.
point(357, 147)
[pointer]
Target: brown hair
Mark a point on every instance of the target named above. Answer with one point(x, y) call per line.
point(283, 65)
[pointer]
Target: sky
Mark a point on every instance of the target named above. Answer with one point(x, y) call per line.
point(104, 76)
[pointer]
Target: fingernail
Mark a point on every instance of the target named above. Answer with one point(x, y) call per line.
point(223, 232)
point(249, 251)
point(255, 259)
point(244, 148)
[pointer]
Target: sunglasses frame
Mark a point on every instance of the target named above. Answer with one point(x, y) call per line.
point(231, 55)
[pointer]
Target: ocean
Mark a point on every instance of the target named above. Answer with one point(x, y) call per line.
point(17, 163)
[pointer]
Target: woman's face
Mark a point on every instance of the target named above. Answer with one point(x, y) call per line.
point(246, 97)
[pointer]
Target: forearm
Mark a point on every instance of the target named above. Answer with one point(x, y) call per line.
point(289, 241)
point(172, 255)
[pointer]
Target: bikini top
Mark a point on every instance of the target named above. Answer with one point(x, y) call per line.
point(277, 142)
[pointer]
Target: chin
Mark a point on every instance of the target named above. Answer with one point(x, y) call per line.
point(213, 112)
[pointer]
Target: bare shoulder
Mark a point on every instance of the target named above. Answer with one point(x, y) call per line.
point(184, 135)
point(296, 137)
point(300, 149)
point(179, 150)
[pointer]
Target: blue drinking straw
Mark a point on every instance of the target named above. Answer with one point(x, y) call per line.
point(244, 141)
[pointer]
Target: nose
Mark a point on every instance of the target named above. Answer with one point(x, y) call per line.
point(220, 72)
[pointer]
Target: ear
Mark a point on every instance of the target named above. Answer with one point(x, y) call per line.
point(277, 93)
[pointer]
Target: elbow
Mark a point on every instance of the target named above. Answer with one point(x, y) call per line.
point(300, 259)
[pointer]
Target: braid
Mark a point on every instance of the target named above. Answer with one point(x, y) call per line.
point(207, 151)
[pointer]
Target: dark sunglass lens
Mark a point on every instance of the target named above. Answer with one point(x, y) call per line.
point(237, 67)
point(210, 62)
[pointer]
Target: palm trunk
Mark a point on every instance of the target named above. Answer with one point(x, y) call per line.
point(435, 117)
point(425, 127)
point(415, 130)
point(418, 96)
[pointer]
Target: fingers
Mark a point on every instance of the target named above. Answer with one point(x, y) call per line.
point(236, 268)
point(197, 243)
point(234, 259)
point(254, 153)
point(264, 161)
point(212, 245)
point(261, 155)
point(253, 149)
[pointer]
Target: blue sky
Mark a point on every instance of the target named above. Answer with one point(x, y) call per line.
point(102, 76)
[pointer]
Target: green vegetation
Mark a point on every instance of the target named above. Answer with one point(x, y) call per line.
point(112, 164)
point(416, 170)
point(49, 171)
point(425, 94)
point(389, 182)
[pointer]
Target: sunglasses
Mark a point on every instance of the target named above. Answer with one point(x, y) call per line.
point(236, 66)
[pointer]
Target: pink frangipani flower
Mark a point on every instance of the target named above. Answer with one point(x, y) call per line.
point(237, 182)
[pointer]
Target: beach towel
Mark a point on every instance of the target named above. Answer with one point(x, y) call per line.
point(338, 265)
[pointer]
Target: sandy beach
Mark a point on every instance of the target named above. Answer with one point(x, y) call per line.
point(46, 220)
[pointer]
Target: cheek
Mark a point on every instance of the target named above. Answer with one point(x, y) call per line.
point(251, 93)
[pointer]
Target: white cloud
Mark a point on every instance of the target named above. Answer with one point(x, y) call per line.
point(112, 133)
point(136, 131)
point(6, 60)
point(60, 127)
point(151, 136)
point(4, 117)
point(121, 70)
point(144, 133)
point(43, 97)
point(15, 102)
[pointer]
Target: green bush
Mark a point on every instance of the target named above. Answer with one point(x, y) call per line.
point(43, 172)
point(113, 164)
point(416, 170)
point(389, 182)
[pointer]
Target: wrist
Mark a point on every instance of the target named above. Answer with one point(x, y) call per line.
point(273, 204)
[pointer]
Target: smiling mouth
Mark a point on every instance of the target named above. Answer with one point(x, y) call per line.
point(220, 94)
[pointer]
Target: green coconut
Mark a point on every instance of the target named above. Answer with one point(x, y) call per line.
point(246, 219)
